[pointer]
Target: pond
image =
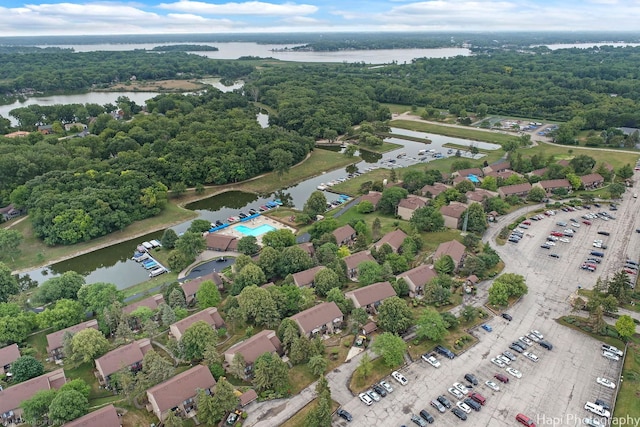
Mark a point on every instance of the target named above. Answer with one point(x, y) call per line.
point(114, 264)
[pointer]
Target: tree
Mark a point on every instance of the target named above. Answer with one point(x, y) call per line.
point(317, 364)
point(616, 190)
point(625, 326)
point(469, 313)
point(499, 294)
point(280, 161)
point(169, 238)
point(430, 325)
point(87, 345)
point(582, 164)
point(325, 280)
point(293, 260)
point(199, 226)
point(65, 286)
point(36, 408)
point(173, 420)
point(238, 366)
point(65, 313)
point(15, 328)
point(365, 207)
point(9, 242)
point(437, 290)
point(258, 307)
point(208, 294)
point(394, 315)
point(489, 183)
point(320, 416)
point(369, 272)
point(316, 204)
point(248, 245)
point(279, 239)
point(26, 367)
point(196, 338)
point(167, 315)
point(191, 244)
point(427, 218)
point(155, 369)
point(78, 385)
point(177, 299)
point(68, 405)
point(450, 321)
point(619, 286)
point(299, 351)
point(390, 198)
point(224, 397)
point(391, 347)
point(444, 265)
point(515, 284)
point(401, 287)
point(8, 283)
point(97, 296)
point(625, 172)
point(123, 333)
point(536, 194)
point(365, 367)
point(271, 373)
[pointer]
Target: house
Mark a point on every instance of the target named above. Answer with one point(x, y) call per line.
point(190, 287)
point(468, 172)
point(151, 302)
point(307, 277)
point(319, 319)
point(503, 175)
point(478, 195)
point(12, 397)
point(591, 181)
point(373, 197)
point(417, 278)
point(564, 163)
point(69, 126)
point(432, 191)
point(519, 190)
point(308, 248)
point(178, 393)
point(18, 134)
point(9, 212)
point(8, 355)
point(209, 315)
point(454, 249)
point(500, 166)
point(550, 185)
point(370, 297)
point(369, 328)
point(103, 417)
point(353, 261)
point(221, 242)
point(452, 214)
point(538, 172)
point(407, 206)
point(54, 339)
point(344, 235)
point(45, 129)
point(263, 342)
point(394, 239)
point(472, 280)
point(248, 397)
point(127, 356)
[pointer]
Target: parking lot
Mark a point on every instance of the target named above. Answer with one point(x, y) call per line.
point(552, 391)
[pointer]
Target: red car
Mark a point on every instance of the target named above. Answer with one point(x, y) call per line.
point(557, 234)
point(629, 271)
point(525, 421)
point(527, 222)
point(586, 222)
point(501, 378)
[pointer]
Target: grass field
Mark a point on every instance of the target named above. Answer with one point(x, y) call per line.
point(299, 419)
point(358, 383)
point(627, 400)
point(614, 158)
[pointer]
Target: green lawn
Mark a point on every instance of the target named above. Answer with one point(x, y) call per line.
point(299, 419)
point(358, 383)
point(614, 158)
point(627, 400)
point(300, 377)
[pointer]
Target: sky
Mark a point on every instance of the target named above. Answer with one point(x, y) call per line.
point(73, 17)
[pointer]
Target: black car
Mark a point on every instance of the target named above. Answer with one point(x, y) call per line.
point(218, 223)
point(554, 255)
point(445, 402)
point(380, 390)
point(597, 205)
point(545, 246)
point(515, 347)
point(604, 404)
point(604, 233)
point(252, 211)
point(459, 413)
point(445, 351)
point(242, 215)
point(545, 344)
point(473, 404)
point(507, 316)
point(344, 414)
point(471, 378)
point(427, 416)
point(419, 421)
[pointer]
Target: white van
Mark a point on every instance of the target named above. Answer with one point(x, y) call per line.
point(597, 409)
point(157, 271)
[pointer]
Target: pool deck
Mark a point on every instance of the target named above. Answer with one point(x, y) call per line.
point(254, 223)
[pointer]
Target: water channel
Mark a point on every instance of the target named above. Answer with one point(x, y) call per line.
point(114, 264)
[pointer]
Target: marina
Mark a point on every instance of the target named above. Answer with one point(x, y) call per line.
point(148, 262)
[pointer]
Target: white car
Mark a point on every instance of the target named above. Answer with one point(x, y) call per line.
point(552, 238)
point(504, 359)
point(597, 409)
point(399, 377)
point(493, 386)
point(461, 388)
point(526, 340)
point(537, 334)
point(456, 393)
point(385, 385)
point(514, 372)
point(605, 382)
point(550, 243)
point(564, 240)
point(431, 360)
point(575, 224)
point(464, 407)
point(372, 394)
point(597, 245)
point(612, 349)
point(610, 356)
point(530, 356)
point(364, 397)
point(533, 338)
point(498, 362)
point(592, 422)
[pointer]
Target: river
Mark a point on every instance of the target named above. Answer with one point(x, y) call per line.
point(235, 50)
point(114, 264)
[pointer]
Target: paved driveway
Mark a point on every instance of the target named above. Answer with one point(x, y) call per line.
point(552, 391)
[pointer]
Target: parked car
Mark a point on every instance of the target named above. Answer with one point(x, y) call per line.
point(418, 420)
point(464, 407)
point(372, 394)
point(364, 397)
point(439, 406)
point(487, 327)
point(526, 340)
point(399, 377)
point(444, 401)
point(445, 351)
point(514, 372)
point(612, 349)
point(386, 386)
point(459, 413)
point(510, 355)
point(605, 382)
point(461, 388)
point(507, 316)
point(498, 362)
point(471, 378)
point(472, 404)
point(455, 392)
point(380, 390)
point(545, 344)
point(431, 360)
point(492, 385)
point(592, 422)
point(516, 347)
point(502, 378)
point(426, 416)
point(504, 359)
point(530, 356)
point(524, 420)
point(344, 414)
point(610, 356)
point(604, 404)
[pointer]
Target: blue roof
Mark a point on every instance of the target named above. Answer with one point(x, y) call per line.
point(473, 178)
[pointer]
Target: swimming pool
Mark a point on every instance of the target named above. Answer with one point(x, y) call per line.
point(258, 231)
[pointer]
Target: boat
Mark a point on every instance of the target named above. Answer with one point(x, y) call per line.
point(155, 243)
point(277, 202)
point(401, 155)
point(421, 152)
point(147, 245)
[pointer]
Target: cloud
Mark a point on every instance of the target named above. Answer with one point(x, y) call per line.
point(256, 8)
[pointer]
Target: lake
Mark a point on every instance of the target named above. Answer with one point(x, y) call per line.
point(114, 264)
point(585, 45)
point(235, 50)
